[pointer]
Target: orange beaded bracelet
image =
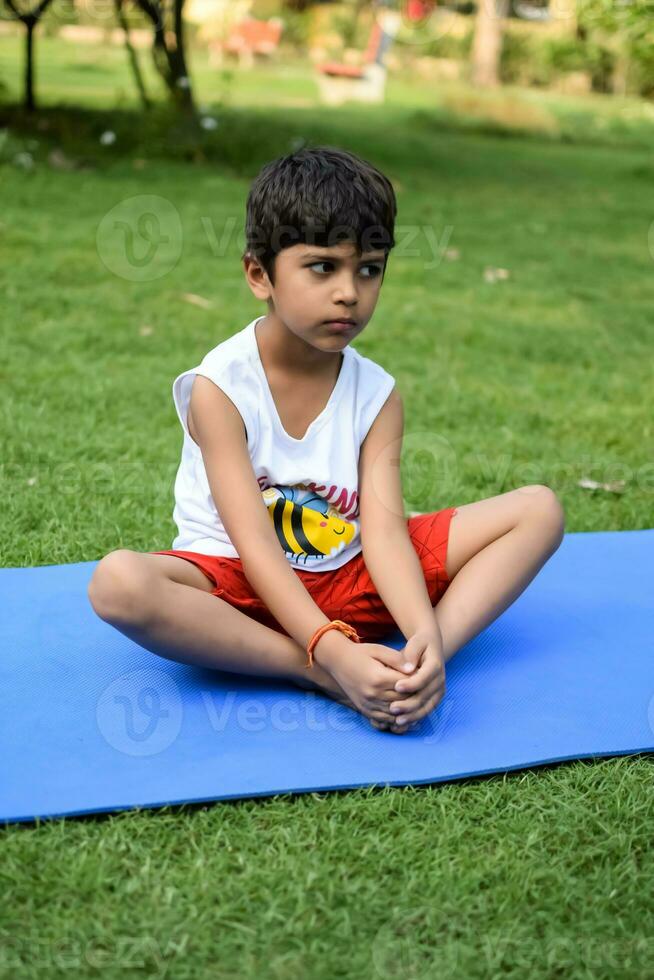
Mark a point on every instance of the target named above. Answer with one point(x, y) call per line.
point(336, 624)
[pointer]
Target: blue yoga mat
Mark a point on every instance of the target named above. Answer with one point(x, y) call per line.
point(91, 722)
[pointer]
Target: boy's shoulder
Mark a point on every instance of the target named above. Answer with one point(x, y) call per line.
point(229, 364)
point(369, 368)
point(233, 349)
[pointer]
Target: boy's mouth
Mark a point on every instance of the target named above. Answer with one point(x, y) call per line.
point(341, 325)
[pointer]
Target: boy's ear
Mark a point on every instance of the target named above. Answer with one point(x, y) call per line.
point(257, 277)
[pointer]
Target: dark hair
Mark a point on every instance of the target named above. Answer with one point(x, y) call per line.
point(321, 196)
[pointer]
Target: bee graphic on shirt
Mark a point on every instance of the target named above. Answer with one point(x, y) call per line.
point(307, 526)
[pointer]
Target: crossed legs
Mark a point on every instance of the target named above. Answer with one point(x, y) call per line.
point(164, 603)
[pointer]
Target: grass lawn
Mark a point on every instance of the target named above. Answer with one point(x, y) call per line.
point(542, 376)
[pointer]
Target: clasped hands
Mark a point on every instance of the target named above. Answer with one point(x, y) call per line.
point(375, 678)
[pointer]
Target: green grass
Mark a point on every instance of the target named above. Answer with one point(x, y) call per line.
point(542, 377)
point(98, 76)
point(537, 874)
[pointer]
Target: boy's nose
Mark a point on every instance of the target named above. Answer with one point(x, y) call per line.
point(346, 291)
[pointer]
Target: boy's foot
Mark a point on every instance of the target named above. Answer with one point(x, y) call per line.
point(322, 680)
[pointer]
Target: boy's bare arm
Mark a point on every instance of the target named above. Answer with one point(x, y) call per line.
point(388, 552)
point(237, 495)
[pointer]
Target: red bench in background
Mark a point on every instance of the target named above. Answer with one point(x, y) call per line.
point(365, 82)
point(246, 39)
point(338, 69)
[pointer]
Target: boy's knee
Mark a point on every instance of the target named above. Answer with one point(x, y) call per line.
point(548, 509)
point(117, 587)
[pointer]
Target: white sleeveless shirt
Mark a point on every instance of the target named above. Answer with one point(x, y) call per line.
point(309, 485)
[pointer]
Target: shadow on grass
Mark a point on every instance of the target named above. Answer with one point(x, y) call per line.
point(242, 139)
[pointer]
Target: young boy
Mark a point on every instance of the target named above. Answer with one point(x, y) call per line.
point(288, 499)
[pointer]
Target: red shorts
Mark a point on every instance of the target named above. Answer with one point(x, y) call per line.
point(346, 593)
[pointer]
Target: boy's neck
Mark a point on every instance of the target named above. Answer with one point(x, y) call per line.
point(283, 351)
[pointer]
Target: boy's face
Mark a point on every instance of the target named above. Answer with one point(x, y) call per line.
point(317, 284)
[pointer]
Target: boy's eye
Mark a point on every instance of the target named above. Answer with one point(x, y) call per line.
point(376, 269)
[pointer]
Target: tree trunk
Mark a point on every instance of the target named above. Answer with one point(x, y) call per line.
point(168, 52)
point(30, 20)
point(487, 42)
point(131, 54)
point(178, 59)
point(30, 24)
point(172, 69)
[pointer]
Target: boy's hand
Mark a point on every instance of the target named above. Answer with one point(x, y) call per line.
point(419, 692)
point(367, 672)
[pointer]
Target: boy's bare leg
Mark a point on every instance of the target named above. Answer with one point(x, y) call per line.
point(164, 604)
point(496, 547)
